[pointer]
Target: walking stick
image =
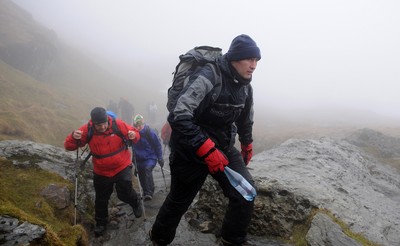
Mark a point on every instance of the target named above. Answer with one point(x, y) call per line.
point(162, 169)
point(136, 173)
point(76, 182)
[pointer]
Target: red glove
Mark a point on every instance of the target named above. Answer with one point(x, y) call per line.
point(247, 153)
point(214, 158)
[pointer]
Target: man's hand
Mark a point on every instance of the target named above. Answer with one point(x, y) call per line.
point(161, 162)
point(247, 153)
point(131, 135)
point(77, 134)
point(213, 157)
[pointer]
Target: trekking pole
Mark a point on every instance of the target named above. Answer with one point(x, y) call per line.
point(136, 173)
point(162, 169)
point(165, 182)
point(76, 182)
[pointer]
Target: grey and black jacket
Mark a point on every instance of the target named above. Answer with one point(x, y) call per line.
point(196, 117)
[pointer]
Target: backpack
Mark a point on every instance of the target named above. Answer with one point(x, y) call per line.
point(147, 135)
point(188, 64)
point(115, 130)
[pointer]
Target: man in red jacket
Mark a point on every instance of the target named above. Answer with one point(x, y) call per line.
point(112, 163)
point(166, 133)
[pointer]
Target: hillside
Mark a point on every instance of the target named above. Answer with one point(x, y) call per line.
point(47, 88)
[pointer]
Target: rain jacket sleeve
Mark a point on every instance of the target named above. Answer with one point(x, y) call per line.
point(192, 98)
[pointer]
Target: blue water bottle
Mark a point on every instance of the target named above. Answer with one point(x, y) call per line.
point(240, 184)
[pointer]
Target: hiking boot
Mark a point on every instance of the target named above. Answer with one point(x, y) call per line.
point(99, 230)
point(138, 210)
point(154, 242)
point(147, 198)
point(223, 242)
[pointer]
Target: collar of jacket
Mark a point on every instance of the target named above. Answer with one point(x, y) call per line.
point(230, 71)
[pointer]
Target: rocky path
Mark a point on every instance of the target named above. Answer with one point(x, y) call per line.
point(127, 230)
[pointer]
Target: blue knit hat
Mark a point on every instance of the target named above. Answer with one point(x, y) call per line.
point(243, 47)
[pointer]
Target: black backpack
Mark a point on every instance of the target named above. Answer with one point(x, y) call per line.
point(188, 64)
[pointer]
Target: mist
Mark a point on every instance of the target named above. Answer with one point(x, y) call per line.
point(321, 60)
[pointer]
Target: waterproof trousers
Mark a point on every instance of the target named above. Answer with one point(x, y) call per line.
point(187, 177)
point(145, 172)
point(104, 187)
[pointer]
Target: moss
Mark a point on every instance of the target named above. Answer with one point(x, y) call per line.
point(20, 198)
point(300, 230)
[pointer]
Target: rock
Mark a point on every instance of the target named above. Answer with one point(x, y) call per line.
point(292, 179)
point(47, 157)
point(384, 146)
point(13, 233)
point(338, 176)
point(324, 231)
point(57, 195)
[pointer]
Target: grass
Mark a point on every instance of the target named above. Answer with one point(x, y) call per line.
point(20, 198)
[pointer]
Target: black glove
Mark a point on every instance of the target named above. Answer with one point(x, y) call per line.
point(161, 163)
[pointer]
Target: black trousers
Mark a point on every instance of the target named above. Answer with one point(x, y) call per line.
point(187, 177)
point(145, 172)
point(104, 187)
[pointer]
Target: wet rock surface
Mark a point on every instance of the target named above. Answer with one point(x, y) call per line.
point(292, 179)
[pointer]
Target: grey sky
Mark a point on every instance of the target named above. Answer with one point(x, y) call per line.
point(331, 54)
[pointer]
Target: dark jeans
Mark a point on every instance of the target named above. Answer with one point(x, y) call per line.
point(145, 171)
point(186, 180)
point(104, 187)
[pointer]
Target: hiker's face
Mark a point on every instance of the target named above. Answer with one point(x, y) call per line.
point(139, 126)
point(102, 127)
point(246, 67)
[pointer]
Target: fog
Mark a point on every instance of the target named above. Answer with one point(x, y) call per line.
point(317, 56)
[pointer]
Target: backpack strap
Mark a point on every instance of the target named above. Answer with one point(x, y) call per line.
point(115, 130)
point(218, 81)
point(147, 134)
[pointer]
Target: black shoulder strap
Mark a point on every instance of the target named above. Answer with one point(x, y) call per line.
point(218, 80)
point(149, 137)
point(90, 133)
point(117, 131)
point(114, 129)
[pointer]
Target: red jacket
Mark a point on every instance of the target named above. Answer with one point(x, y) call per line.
point(166, 133)
point(105, 143)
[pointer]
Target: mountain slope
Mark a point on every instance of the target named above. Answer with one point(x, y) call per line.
point(46, 88)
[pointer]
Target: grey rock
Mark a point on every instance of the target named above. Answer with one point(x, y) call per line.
point(292, 179)
point(338, 176)
point(58, 195)
point(13, 233)
point(384, 146)
point(47, 157)
point(324, 231)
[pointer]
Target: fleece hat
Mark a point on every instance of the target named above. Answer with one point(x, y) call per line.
point(98, 115)
point(138, 120)
point(243, 47)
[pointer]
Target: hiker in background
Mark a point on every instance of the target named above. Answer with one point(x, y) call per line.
point(126, 110)
point(148, 152)
point(112, 163)
point(202, 142)
point(166, 134)
point(113, 107)
point(152, 110)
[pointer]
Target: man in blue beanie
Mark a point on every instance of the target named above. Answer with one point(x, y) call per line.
point(203, 138)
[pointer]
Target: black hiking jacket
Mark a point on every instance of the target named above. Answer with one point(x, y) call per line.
point(196, 117)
